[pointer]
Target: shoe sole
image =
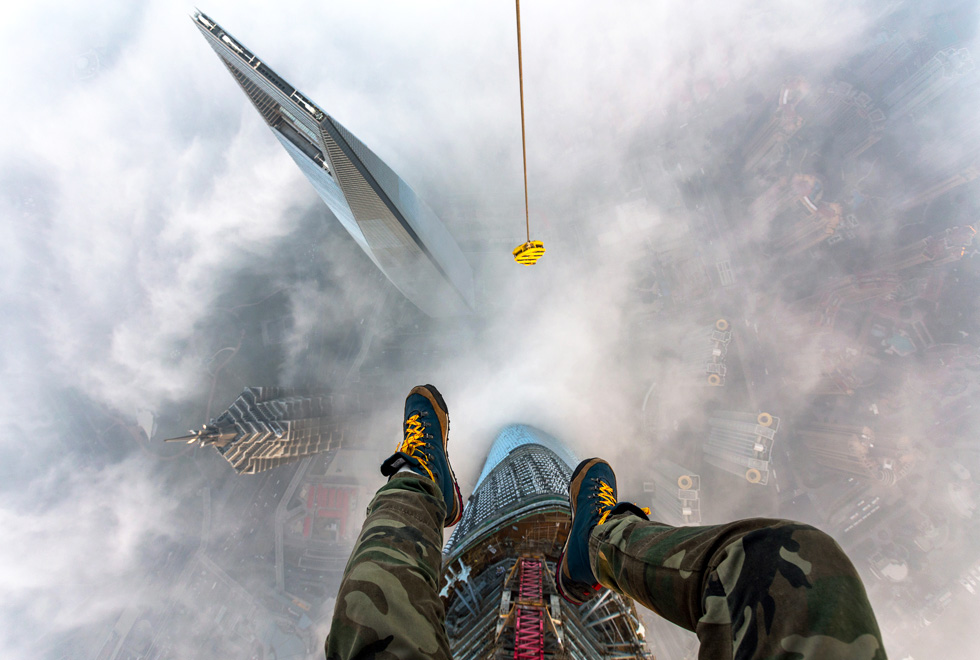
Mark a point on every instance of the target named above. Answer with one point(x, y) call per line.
point(442, 414)
point(573, 491)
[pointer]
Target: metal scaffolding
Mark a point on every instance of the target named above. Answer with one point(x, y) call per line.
point(529, 619)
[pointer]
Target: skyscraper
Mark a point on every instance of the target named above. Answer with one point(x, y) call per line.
point(802, 230)
point(770, 134)
point(857, 288)
point(500, 595)
point(850, 114)
point(675, 492)
point(741, 443)
point(800, 193)
point(929, 82)
point(401, 235)
point(705, 351)
point(858, 451)
point(883, 59)
point(268, 426)
point(936, 187)
point(316, 522)
point(942, 248)
point(844, 369)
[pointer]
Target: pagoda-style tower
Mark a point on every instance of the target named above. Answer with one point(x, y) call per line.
point(268, 426)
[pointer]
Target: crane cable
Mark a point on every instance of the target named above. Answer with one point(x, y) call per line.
point(528, 253)
point(520, 78)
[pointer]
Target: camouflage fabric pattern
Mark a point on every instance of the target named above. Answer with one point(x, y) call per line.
point(749, 589)
point(388, 606)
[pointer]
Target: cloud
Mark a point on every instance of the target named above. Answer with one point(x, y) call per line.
point(144, 217)
point(76, 545)
point(163, 184)
point(139, 191)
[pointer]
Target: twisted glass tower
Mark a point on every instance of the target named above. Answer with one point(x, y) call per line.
point(500, 595)
point(396, 229)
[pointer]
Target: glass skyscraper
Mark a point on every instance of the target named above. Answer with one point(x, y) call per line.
point(500, 594)
point(401, 235)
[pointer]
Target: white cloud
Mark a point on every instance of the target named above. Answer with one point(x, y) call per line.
point(154, 183)
point(75, 547)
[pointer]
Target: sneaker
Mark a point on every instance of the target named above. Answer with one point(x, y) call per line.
point(592, 496)
point(424, 449)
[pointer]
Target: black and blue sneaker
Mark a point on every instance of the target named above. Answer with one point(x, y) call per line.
point(592, 497)
point(424, 449)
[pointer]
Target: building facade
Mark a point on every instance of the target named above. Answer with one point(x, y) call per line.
point(706, 350)
point(317, 521)
point(268, 426)
point(767, 139)
point(850, 113)
point(500, 595)
point(396, 229)
point(740, 443)
point(929, 82)
point(675, 494)
point(858, 451)
point(943, 248)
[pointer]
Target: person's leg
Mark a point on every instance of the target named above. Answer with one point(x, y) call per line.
point(749, 589)
point(388, 605)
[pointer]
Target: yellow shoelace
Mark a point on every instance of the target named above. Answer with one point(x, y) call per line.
point(607, 500)
point(414, 432)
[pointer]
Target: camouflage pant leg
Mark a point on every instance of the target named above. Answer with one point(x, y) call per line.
point(388, 606)
point(749, 589)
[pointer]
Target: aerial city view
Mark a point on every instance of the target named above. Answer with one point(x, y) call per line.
point(760, 298)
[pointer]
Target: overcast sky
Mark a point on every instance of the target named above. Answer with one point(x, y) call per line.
point(137, 185)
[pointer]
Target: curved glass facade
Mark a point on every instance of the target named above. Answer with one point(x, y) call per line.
point(525, 468)
point(396, 229)
point(513, 436)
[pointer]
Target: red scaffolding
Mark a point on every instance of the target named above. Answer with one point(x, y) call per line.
point(529, 617)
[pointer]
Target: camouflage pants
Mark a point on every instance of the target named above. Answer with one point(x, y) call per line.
point(388, 605)
point(749, 589)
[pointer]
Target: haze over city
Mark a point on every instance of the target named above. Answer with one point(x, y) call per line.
point(766, 172)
